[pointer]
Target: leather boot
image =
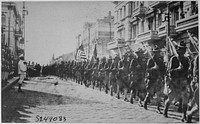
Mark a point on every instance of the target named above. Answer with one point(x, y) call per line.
point(184, 109)
point(158, 108)
point(145, 102)
point(166, 110)
point(180, 105)
point(189, 119)
point(131, 99)
point(19, 88)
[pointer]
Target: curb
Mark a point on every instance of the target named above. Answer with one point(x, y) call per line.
point(11, 83)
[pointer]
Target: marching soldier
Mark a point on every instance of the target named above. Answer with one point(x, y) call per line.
point(154, 80)
point(122, 76)
point(137, 69)
point(177, 85)
point(106, 74)
point(101, 74)
point(113, 74)
point(95, 72)
point(194, 104)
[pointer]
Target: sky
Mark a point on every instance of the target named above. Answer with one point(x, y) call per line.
point(51, 27)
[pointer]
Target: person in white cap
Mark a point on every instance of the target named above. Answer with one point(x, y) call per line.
point(21, 71)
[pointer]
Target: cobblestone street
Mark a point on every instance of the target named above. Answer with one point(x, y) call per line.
point(70, 102)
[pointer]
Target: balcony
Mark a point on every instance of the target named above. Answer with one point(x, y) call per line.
point(156, 4)
point(162, 31)
point(119, 24)
point(187, 23)
point(18, 33)
point(117, 43)
point(140, 11)
point(147, 36)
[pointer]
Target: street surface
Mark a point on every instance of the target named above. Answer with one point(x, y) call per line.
point(70, 102)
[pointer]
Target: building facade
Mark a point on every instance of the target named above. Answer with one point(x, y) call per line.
point(147, 22)
point(11, 38)
point(97, 33)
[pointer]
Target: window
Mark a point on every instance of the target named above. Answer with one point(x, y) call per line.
point(133, 4)
point(124, 11)
point(134, 31)
point(150, 23)
point(138, 3)
point(142, 26)
point(120, 13)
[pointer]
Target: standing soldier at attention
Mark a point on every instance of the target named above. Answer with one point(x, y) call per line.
point(177, 84)
point(154, 78)
point(21, 71)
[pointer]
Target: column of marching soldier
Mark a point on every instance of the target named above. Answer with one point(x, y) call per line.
point(142, 76)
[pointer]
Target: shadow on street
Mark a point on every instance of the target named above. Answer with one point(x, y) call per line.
point(14, 103)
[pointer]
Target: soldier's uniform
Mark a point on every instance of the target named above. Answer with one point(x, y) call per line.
point(113, 75)
point(95, 73)
point(88, 72)
point(177, 85)
point(137, 69)
point(106, 74)
point(122, 76)
point(101, 73)
point(194, 104)
point(154, 78)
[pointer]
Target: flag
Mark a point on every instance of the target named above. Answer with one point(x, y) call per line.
point(80, 54)
point(95, 52)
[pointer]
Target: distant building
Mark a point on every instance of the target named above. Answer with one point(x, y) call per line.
point(100, 33)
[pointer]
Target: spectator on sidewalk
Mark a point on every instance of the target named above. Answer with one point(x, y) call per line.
point(21, 71)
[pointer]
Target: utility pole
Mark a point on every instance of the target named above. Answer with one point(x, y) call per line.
point(25, 12)
point(24, 25)
point(167, 19)
point(9, 8)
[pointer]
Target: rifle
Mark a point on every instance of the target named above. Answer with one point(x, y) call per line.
point(150, 55)
point(192, 41)
point(175, 52)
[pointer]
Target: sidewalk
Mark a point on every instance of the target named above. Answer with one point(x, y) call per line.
point(11, 82)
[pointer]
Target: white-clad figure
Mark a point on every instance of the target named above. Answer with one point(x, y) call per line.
point(21, 71)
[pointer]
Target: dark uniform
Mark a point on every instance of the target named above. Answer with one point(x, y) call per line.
point(101, 73)
point(106, 74)
point(137, 69)
point(154, 78)
point(177, 85)
point(122, 76)
point(88, 73)
point(113, 74)
point(194, 104)
point(95, 73)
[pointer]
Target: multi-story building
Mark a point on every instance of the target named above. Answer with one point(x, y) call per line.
point(98, 33)
point(146, 22)
point(10, 37)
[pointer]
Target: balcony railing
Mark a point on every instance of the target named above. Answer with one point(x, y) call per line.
point(119, 42)
point(18, 33)
point(187, 23)
point(140, 11)
point(149, 35)
point(156, 3)
point(162, 31)
point(119, 24)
